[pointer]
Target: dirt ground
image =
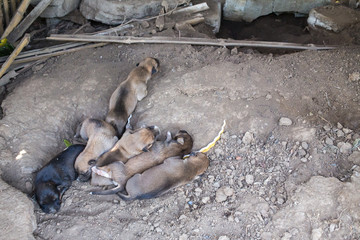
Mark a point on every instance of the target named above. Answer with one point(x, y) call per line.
point(285, 168)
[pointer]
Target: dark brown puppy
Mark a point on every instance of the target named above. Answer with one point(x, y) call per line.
point(132, 143)
point(124, 99)
point(101, 137)
point(159, 179)
point(119, 172)
point(55, 178)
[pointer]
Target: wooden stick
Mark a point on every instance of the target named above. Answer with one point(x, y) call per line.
point(54, 54)
point(25, 41)
point(6, 12)
point(16, 18)
point(193, 9)
point(28, 20)
point(184, 40)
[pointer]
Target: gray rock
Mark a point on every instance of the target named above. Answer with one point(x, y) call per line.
point(115, 12)
point(223, 238)
point(249, 179)
point(339, 125)
point(344, 147)
point(340, 133)
point(58, 8)
point(239, 10)
point(333, 18)
point(305, 145)
point(222, 193)
point(355, 158)
point(301, 152)
point(329, 141)
point(17, 217)
point(248, 138)
point(184, 237)
point(304, 160)
point(284, 121)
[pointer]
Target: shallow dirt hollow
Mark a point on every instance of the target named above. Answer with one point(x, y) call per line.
point(268, 179)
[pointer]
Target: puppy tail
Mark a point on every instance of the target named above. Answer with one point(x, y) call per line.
point(125, 197)
point(108, 192)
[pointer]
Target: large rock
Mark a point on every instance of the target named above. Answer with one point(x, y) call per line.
point(17, 217)
point(58, 8)
point(115, 12)
point(249, 10)
point(333, 18)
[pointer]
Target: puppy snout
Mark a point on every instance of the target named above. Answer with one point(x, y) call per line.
point(155, 130)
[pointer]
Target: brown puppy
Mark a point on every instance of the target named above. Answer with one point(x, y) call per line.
point(157, 180)
point(101, 137)
point(119, 172)
point(132, 143)
point(124, 99)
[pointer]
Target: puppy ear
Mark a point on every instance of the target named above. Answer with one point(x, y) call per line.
point(180, 140)
point(137, 64)
point(153, 70)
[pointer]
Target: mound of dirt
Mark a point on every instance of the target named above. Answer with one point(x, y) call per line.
point(256, 169)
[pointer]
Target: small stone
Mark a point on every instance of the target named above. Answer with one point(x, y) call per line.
point(285, 121)
point(182, 217)
point(249, 179)
point(234, 51)
point(280, 200)
point(327, 128)
point(153, 31)
point(183, 237)
point(205, 199)
point(228, 191)
point(347, 130)
point(340, 133)
point(220, 195)
point(158, 230)
point(287, 236)
point(223, 238)
point(304, 160)
point(355, 158)
point(116, 201)
point(268, 96)
point(219, 152)
point(58, 231)
point(29, 186)
point(301, 152)
point(339, 126)
point(248, 138)
point(316, 234)
point(332, 227)
point(344, 147)
point(305, 145)
point(329, 141)
point(355, 76)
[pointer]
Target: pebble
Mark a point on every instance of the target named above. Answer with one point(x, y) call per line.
point(355, 76)
point(223, 238)
point(58, 231)
point(184, 237)
point(29, 186)
point(268, 96)
point(304, 160)
point(340, 133)
point(316, 234)
point(280, 200)
point(301, 152)
point(344, 147)
point(222, 193)
point(219, 152)
point(305, 145)
point(205, 199)
point(339, 126)
point(248, 138)
point(347, 130)
point(284, 121)
point(329, 141)
point(332, 227)
point(249, 179)
point(144, 24)
point(327, 128)
point(234, 51)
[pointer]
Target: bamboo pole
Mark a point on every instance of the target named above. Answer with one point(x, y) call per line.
point(185, 40)
point(6, 12)
point(28, 20)
point(24, 42)
point(16, 18)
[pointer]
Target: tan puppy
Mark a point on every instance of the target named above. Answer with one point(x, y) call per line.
point(101, 137)
point(124, 99)
point(157, 180)
point(119, 172)
point(132, 143)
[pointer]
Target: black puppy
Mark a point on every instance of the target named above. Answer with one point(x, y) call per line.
point(55, 178)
